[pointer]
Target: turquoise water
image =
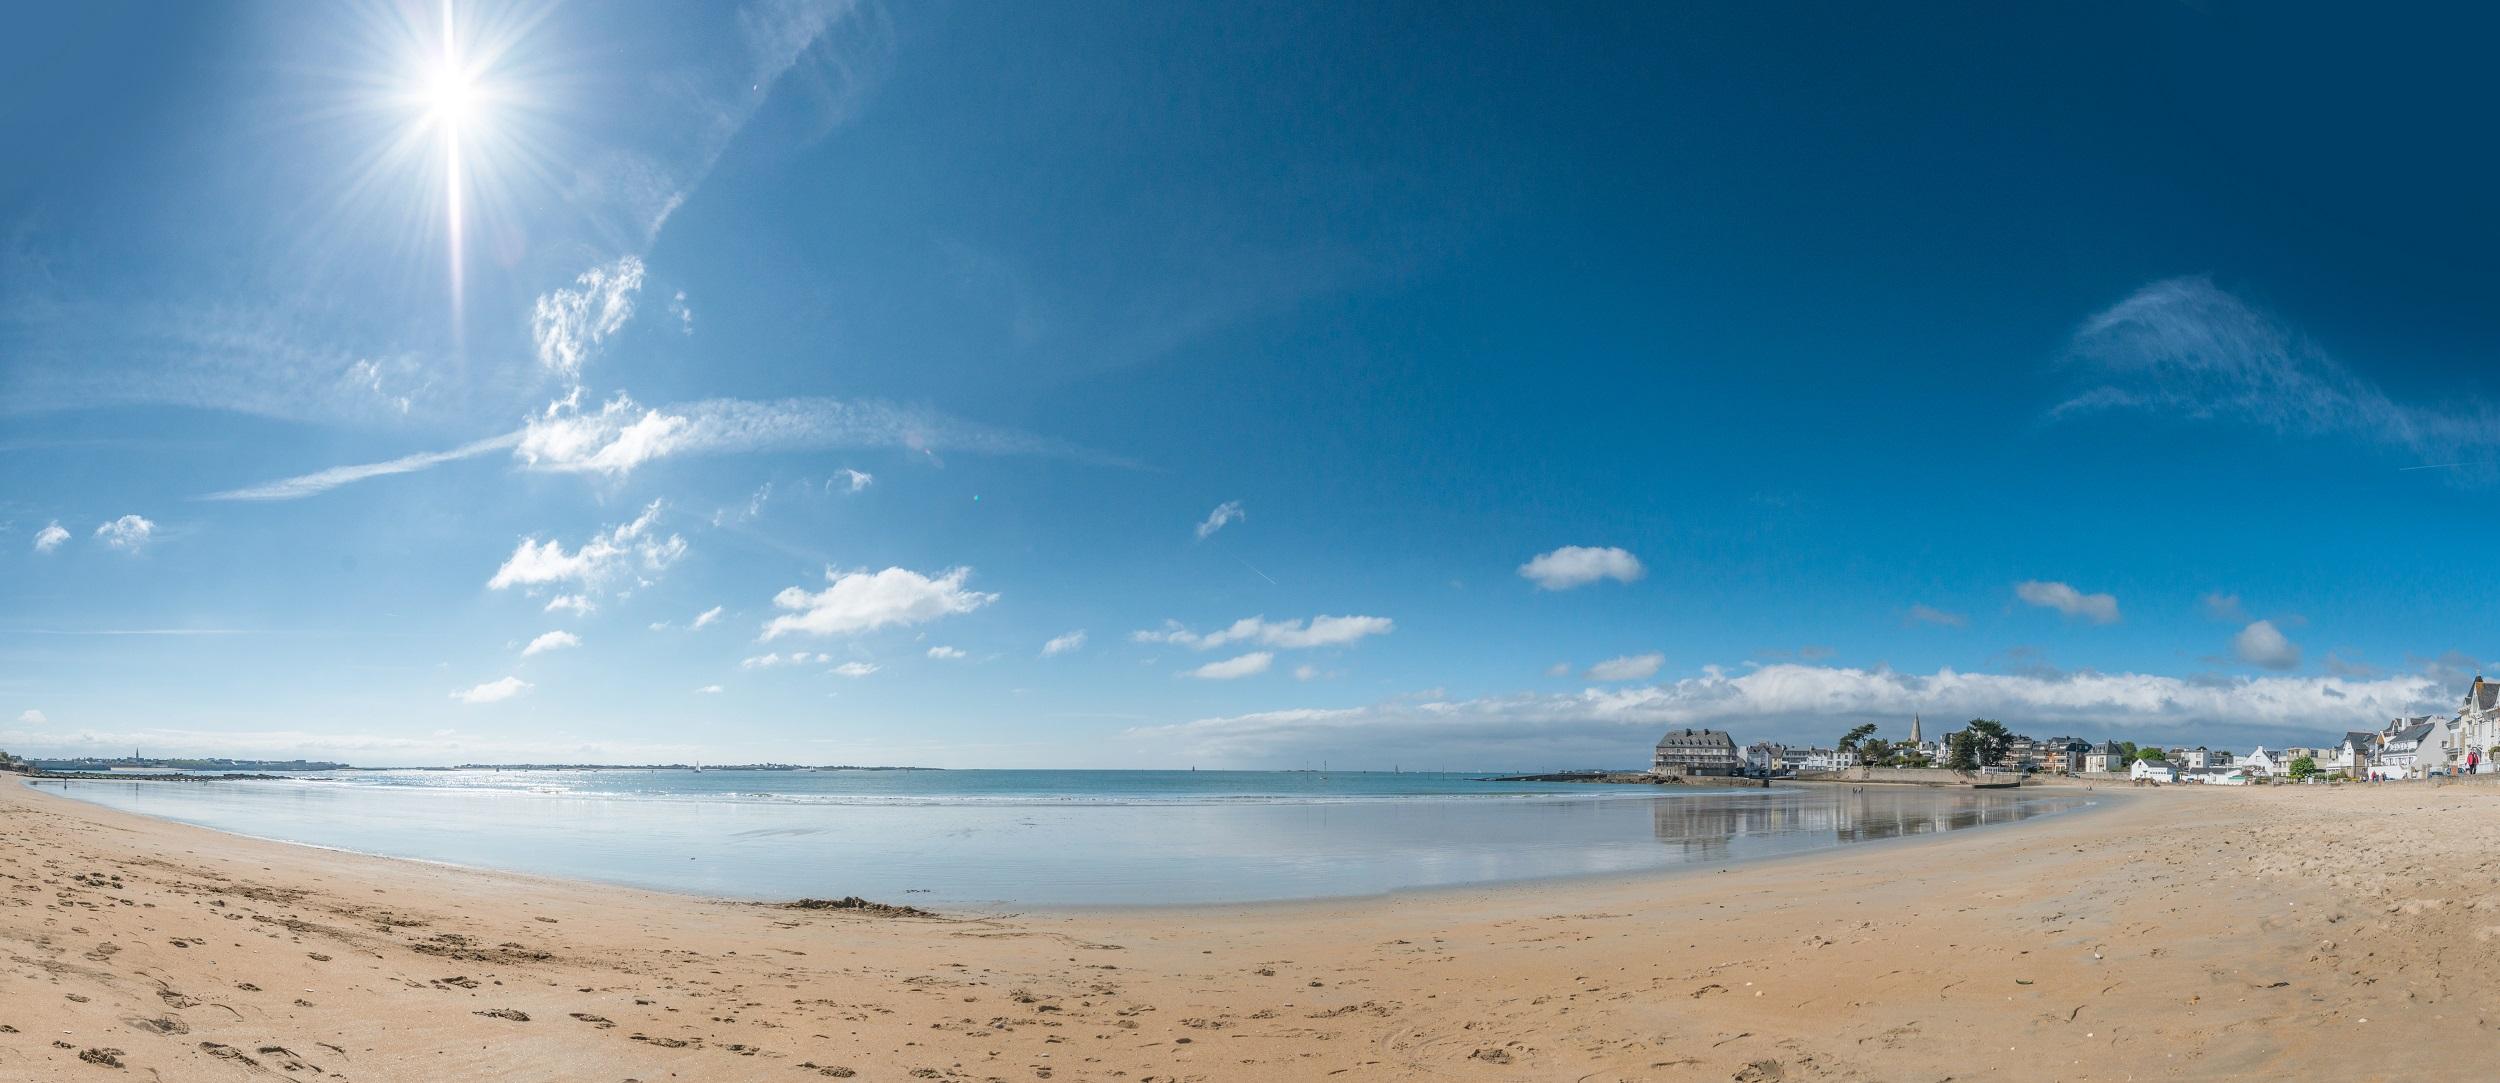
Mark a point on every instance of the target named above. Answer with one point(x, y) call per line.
point(1051, 838)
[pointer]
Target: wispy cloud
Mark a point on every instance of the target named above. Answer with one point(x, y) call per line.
point(1063, 644)
point(621, 435)
point(1248, 665)
point(1579, 565)
point(1630, 667)
point(2183, 346)
point(551, 641)
point(1224, 513)
point(2224, 607)
point(2097, 608)
point(494, 691)
point(50, 537)
point(1928, 614)
point(629, 547)
point(322, 481)
point(569, 324)
point(1321, 631)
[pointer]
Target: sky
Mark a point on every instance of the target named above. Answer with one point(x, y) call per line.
point(1416, 385)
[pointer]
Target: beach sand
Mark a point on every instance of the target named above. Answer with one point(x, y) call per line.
point(2206, 933)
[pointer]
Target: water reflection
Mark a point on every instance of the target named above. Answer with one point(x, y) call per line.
point(1711, 830)
point(1026, 853)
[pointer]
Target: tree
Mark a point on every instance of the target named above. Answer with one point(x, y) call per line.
point(2152, 754)
point(2303, 769)
point(1851, 740)
point(1876, 751)
point(1962, 751)
point(2126, 751)
point(1988, 739)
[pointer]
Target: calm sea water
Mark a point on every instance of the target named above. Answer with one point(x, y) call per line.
point(1051, 838)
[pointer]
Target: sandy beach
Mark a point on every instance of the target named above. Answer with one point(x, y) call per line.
point(2172, 934)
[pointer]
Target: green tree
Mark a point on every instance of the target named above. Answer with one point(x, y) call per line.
point(2126, 750)
point(1962, 751)
point(2153, 754)
point(2303, 769)
point(1988, 739)
point(1851, 740)
point(1877, 751)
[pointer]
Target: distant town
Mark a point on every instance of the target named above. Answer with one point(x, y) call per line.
point(2421, 747)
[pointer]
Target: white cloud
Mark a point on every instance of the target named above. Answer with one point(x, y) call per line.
point(615, 440)
point(1226, 512)
point(1924, 614)
point(50, 537)
point(1306, 672)
point(945, 652)
point(1558, 669)
point(2262, 644)
point(855, 670)
point(632, 547)
point(2224, 607)
point(1630, 667)
point(1579, 565)
point(492, 691)
point(1800, 702)
point(570, 324)
point(32, 717)
point(1063, 644)
point(622, 435)
point(321, 481)
point(570, 602)
point(776, 659)
point(1321, 631)
point(1251, 664)
point(851, 480)
point(684, 312)
point(706, 617)
point(2097, 608)
point(552, 641)
point(863, 601)
point(128, 533)
point(2184, 347)
point(708, 690)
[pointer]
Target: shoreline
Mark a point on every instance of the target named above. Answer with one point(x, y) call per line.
point(1528, 883)
point(2175, 933)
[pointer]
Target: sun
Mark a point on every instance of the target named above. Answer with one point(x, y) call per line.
point(453, 116)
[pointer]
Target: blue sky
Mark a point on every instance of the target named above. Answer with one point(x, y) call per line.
point(980, 385)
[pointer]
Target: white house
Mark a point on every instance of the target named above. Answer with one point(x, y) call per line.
point(1824, 759)
point(2411, 752)
point(2478, 725)
point(2262, 764)
point(2155, 770)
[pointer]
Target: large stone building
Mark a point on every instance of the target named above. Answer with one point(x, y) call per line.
point(1695, 752)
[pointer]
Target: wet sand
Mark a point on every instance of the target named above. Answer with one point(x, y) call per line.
point(2178, 933)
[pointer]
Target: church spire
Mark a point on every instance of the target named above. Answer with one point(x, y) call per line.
point(1914, 739)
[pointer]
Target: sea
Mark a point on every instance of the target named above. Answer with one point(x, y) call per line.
point(1054, 839)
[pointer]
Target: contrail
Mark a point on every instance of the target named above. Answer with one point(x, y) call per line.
point(1260, 574)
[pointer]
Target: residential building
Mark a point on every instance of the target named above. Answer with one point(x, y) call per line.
point(2104, 758)
point(2262, 764)
point(2478, 725)
point(2411, 752)
point(1826, 759)
point(1763, 757)
point(1695, 752)
point(2350, 757)
point(2153, 770)
point(2062, 755)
